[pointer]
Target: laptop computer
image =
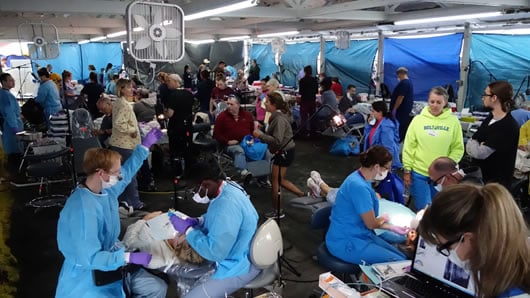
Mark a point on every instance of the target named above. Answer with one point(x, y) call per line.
point(431, 275)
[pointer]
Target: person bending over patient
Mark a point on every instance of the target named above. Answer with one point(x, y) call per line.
point(355, 214)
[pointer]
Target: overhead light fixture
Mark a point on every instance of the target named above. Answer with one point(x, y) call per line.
point(98, 38)
point(512, 31)
point(83, 41)
point(449, 18)
point(221, 10)
point(116, 34)
point(138, 29)
point(235, 38)
point(202, 41)
point(278, 34)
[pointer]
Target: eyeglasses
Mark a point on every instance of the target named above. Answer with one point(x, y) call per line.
point(487, 95)
point(445, 249)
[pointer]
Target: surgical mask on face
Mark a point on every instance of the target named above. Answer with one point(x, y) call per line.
point(372, 121)
point(455, 259)
point(201, 200)
point(439, 186)
point(113, 179)
point(381, 176)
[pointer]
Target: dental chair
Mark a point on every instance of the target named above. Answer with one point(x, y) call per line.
point(265, 250)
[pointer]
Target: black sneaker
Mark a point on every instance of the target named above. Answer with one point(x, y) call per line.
point(274, 214)
point(264, 183)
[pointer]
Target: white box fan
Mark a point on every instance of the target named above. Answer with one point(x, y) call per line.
point(155, 31)
point(42, 38)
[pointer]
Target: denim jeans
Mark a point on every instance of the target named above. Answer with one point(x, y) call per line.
point(237, 152)
point(144, 284)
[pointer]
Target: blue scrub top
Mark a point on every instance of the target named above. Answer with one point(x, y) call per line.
point(354, 197)
point(10, 112)
point(48, 98)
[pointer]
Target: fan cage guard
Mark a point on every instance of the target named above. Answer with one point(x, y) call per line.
point(161, 48)
point(42, 38)
point(343, 40)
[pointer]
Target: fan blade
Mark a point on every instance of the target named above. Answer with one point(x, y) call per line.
point(157, 20)
point(172, 33)
point(160, 49)
point(143, 43)
point(141, 21)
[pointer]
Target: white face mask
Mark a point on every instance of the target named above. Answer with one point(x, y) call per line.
point(372, 121)
point(439, 186)
point(113, 179)
point(381, 176)
point(201, 200)
point(453, 256)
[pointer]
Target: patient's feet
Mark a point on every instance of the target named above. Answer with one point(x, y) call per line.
point(314, 188)
point(316, 177)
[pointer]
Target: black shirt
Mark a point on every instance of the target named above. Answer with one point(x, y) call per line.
point(181, 102)
point(308, 89)
point(204, 91)
point(163, 93)
point(93, 92)
point(186, 77)
point(503, 136)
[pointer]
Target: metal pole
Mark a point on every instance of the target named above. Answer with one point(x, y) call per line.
point(322, 54)
point(464, 68)
point(380, 62)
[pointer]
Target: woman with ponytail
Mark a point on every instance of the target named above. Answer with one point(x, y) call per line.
point(482, 229)
point(355, 215)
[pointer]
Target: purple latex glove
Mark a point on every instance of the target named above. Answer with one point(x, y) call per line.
point(152, 137)
point(182, 225)
point(399, 230)
point(394, 113)
point(16, 129)
point(140, 258)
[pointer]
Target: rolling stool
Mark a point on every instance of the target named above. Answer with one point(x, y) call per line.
point(44, 166)
point(320, 220)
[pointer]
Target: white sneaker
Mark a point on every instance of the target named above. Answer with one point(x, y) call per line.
point(316, 177)
point(313, 187)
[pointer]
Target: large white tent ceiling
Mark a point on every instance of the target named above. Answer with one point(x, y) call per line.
point(84, 19)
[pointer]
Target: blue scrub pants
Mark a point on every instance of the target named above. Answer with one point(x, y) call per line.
point(220, 288)
point(373, 250)
point(421, 191)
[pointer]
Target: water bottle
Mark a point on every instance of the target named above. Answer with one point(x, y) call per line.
point(406, 196)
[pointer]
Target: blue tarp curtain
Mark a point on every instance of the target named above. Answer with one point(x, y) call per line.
point(352, 65)
point(265, 58)
point(506, 57)
point(76, 58)
point(431, 62)
point(295, 58)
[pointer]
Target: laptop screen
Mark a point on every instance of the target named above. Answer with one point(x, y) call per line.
point(430, 262)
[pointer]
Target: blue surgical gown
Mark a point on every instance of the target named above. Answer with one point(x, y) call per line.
point(87, 234)
point(48, 98)
point(229, 225)
point(10, 111)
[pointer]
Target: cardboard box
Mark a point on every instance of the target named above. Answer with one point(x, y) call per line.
point(335, 287)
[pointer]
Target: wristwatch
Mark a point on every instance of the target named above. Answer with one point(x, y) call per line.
point(406, 171)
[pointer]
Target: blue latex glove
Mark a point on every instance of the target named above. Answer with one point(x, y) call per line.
point(140, 258)
point(152, 137)
point(182, 225)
